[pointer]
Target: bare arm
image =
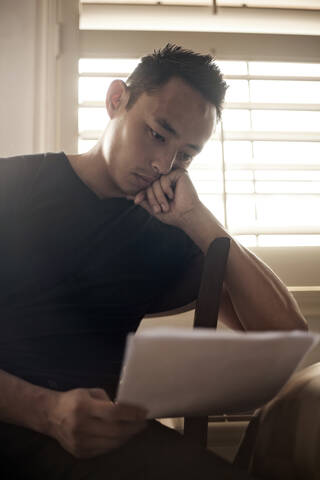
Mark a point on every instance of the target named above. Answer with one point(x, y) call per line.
point(259, 298)
point(254, 297)
point(84, 421)
point(25, 404)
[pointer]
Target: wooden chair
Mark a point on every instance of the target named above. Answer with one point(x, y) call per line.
point(211, 278)
point(206, 315)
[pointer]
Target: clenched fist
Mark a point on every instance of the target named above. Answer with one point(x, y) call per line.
point(170, 197)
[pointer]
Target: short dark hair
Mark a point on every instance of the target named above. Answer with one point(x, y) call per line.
point(199, 71)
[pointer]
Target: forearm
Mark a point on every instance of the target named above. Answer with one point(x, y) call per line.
point(25, 404)
point(259, 298)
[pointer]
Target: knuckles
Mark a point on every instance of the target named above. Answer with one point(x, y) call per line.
point(79, 407)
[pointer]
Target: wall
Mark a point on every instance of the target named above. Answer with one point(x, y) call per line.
point(17, 76)
point(38, 71)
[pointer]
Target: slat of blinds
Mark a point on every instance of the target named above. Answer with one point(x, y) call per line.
point(275, 106)
point(197, 19)
point(315, 288)
point(273, 136)
point(104, 74)
point(242, 106)
point(251, 136)
point(227, 77)
point(278, 166)
point(291, 4)
point(272, 77)
point(276, 230)
point(233, 46)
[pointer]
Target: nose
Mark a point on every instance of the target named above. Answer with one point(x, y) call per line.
point(163, 162)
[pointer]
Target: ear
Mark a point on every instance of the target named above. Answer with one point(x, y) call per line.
point(117, 97)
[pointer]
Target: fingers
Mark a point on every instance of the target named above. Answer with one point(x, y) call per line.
point(109, 431)
point(140, 197)
point(118, 430)
point(148, 201)
point(167, 186)
point(128, 413)
point(160, 189)
point(93, 424)
point(153, 201)
point(99, 393)
point(111, 412)
point(157, 196)
point(117, 412)
point(88, 446)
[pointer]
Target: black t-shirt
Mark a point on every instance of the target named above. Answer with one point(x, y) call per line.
point(77, 273)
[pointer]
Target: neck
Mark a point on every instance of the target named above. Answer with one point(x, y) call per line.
point(92, 168)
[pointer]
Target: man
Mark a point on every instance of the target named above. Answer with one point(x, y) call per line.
point(90, 244)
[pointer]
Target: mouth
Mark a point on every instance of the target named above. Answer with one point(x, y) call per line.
point(144, 180)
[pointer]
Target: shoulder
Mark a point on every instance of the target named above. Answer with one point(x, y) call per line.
point(17, 177)
point(19, 166)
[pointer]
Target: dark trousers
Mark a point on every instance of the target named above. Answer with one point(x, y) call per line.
point(157, 453)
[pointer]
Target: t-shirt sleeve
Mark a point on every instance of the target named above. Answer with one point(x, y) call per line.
point(181, 251)
point(178, 255)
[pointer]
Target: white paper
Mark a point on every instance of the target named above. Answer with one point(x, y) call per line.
point(177, 372)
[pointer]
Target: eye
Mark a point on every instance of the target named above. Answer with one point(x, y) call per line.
point(185, 157)
point(157, 135)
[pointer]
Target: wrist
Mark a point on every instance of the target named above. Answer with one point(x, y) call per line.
point(189, 217)
point(201, 226)
point(47, 401)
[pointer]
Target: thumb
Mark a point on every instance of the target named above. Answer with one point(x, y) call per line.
point(175, 174)
point(99, 394)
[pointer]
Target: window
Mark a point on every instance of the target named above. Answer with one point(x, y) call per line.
point(260, 172)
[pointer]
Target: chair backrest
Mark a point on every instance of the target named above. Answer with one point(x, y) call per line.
point(206, 315)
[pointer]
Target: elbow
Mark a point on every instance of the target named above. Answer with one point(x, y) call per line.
point(300, 320)
point(295, 320)
point(303, 324)
point(290, 316)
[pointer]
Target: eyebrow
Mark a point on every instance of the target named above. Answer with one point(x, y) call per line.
point(166, 126)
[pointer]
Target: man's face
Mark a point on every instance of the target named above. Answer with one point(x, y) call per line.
point(162, 131)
